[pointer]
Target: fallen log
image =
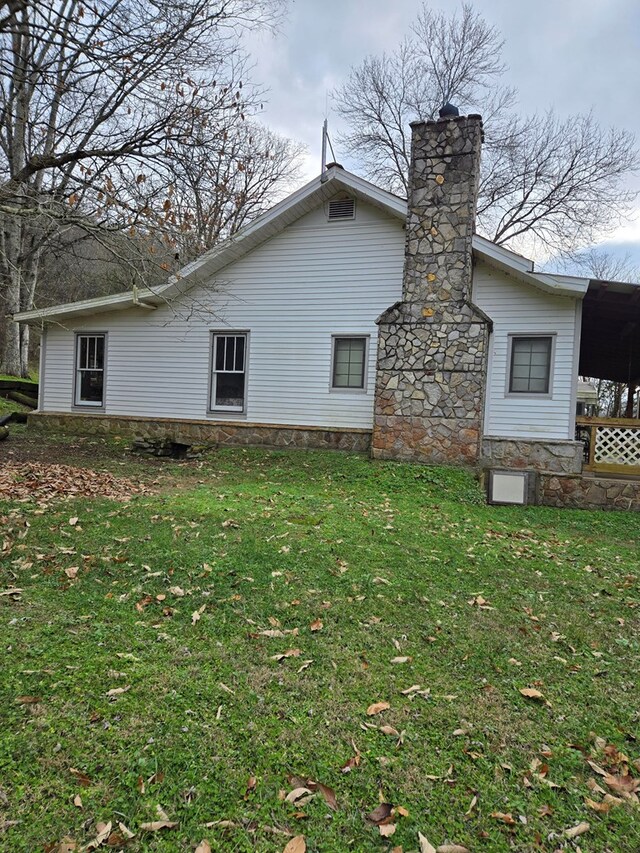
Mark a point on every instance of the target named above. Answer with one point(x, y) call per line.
point(23, 399)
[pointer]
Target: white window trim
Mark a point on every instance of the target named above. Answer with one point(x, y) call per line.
point(365, 379)
point(83, 405)
point(530, 395)
point(226, 411)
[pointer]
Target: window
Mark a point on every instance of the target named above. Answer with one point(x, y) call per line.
point(229, 373)
point(349, 362)
point(530, 365)
point(89, 384)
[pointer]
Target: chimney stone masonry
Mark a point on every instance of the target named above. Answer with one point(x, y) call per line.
point(432, 346)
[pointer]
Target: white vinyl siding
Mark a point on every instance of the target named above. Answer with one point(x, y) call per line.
point(315, 280)
point(518, 310)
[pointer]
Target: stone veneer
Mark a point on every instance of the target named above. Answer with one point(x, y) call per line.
point(432, 345)
point(212, 433)
point(587, 492)
point(557, 456)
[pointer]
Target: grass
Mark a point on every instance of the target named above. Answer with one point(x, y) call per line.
point(391, 559)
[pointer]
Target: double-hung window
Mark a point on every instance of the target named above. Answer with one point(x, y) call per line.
point(89, 379)
point(348, 370)
point(530, 364)
point(229, 372)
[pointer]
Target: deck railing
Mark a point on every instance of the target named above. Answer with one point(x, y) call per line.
point(612, 445)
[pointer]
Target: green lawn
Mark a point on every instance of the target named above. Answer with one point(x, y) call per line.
point(182, 599)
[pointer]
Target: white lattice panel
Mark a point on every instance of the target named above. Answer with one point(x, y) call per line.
point(617, 445)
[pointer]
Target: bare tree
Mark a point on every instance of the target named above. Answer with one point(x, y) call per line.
point(226, 180)
point(92, 98)
point(560, 182)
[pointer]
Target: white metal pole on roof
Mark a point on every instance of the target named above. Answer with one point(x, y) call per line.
point(324, 146)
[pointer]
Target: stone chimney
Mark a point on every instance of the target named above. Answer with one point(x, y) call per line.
point(432, 345)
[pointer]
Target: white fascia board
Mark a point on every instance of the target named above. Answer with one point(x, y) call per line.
point(491, 251)
point(72, 309)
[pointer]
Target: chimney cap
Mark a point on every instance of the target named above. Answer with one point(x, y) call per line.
point(448, 111)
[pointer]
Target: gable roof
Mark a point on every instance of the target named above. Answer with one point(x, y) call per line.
point(275, 220)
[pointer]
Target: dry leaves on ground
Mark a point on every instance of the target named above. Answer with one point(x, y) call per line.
point(24, 481)
point(296, 845)
point(377, 708)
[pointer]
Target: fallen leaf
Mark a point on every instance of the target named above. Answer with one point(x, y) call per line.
point(348, 766)
point(425, 845)
point(28, 700)
point(77, 801)
point(401, 660)
point(252, 784)
point(177, 591)
point(377, 708)
point(413, 689)
point(575, 831)
point(81, 777)
point(73, 521)
point(305, 665)
point(531, 693)
point(387, 829)
point(155, 825)
point(317, 625)
point(329, 796)
point(452, 848)
point(297, 794)
point(504, 818)
point(203, 847)
point(296, 845)
point(196, 615)
point(380, 814)
point(118, 691)
point(66, 845)
point(126, 832)
point(602, 808)
point(103, 832)
point(389, 730)
point(290, 653)
point(71, 572)
point(621, 784)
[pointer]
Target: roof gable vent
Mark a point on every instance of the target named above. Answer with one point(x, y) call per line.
point(341, 208)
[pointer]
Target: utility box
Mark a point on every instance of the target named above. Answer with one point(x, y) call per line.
point(511, 487)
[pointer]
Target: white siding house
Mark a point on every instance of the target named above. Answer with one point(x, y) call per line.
point(292, 294)
point(521, 310)
point(287, 287)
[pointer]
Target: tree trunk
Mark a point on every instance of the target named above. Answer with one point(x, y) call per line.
point(631, 393)
point(10, 362)
point(24, 350)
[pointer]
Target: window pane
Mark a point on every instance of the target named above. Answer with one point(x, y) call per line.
point(530, 365)
point(91, 386)
point(219, 365)
point(240, 352)
point(100, 352)
point(348, 362)
point(82, 359)
point(230, 390)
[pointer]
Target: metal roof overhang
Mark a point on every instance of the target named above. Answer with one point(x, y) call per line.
point(610, 340)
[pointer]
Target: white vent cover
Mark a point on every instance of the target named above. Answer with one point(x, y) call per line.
point(341, 208)
point(512, 487)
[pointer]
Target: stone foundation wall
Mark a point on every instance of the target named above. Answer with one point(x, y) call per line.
point(563, 457)
point(583, 492)
point(205, 432)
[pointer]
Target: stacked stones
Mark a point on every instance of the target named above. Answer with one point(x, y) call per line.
point(432, 345)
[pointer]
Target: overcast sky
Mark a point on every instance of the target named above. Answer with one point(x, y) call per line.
point(573, 55)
